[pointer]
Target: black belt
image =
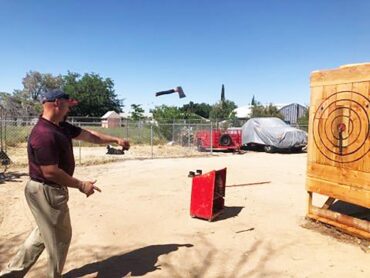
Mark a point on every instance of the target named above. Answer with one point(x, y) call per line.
point(47, 183)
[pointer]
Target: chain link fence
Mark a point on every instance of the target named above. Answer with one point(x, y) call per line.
point(149, 139)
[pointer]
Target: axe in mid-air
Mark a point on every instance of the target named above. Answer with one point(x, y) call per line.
point(178, 90)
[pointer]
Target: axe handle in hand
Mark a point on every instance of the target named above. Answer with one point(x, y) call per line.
point(165, 92)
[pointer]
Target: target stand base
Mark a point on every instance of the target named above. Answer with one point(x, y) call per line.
point(347, 224)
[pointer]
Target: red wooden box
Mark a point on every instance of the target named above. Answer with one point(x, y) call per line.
point(207, 194)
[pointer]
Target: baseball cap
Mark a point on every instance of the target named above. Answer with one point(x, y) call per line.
point(52, 95)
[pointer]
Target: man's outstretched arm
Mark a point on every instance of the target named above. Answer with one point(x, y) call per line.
point(95, 137)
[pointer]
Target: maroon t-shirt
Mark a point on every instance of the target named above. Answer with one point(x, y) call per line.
point(50, 144)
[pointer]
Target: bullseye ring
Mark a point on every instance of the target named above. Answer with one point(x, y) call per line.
point(341, 127)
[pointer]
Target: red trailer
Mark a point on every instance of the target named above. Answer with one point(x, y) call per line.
point(219, 140)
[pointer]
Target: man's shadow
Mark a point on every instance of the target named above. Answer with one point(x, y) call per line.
point(136, 263)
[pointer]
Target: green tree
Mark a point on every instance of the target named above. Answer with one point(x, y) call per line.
point(223, 110)
point(223, 93)
point(26, 102)
point(201, 109)
point(166, 114)
point(259, 110)
point(137, 112)
point(17, 105)
point(253, 102)
point(95, 94)
point(35, 83)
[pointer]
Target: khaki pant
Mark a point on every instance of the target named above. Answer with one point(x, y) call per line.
point(49, 207)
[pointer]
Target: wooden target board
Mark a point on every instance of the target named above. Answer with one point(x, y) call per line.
point(341, 127)
point(339, 143)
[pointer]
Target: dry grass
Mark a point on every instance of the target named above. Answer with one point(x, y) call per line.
point(97, 155)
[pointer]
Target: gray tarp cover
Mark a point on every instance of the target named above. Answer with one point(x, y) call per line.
point(272, 132)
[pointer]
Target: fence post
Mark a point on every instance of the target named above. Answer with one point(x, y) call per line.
point(126, 128)
point(211, 138)
point(189, 134)
point(79, 148)
point(151, 138)
point(173, 130)
point(2, 134)
point(141, 131)
point(1, 131)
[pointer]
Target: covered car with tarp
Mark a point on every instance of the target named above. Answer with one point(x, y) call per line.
point(272, 134)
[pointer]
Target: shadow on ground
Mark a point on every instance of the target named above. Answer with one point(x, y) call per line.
point(136, 263)
point(9, 246)
point(229, 212)
point(200, 261)
point(351, 210)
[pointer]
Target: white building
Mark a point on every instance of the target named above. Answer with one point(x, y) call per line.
point(111, 119)
point(291, 112)
point(243, 112)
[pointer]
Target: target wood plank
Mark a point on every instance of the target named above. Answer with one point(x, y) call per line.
point(340, 175)
point(346, 74)
point(363, 109)
point(342, 192)
point(316, 99)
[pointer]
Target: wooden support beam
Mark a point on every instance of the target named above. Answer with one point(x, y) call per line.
point(328, 203)
point(309, 201)
point(348, 224)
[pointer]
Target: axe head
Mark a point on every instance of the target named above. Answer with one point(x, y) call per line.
point(180, 91)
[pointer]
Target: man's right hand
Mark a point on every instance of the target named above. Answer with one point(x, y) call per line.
point(88, 187)
point(125, 144)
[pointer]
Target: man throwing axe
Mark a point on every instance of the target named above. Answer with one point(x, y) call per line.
point(51, 167)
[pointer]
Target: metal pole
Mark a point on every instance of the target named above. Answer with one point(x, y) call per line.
point(151, 138)
point(127, 128)
point(188, 136)
point(79, 148)
point(173, 130)
point(1, 130)
point(211, 138)
point(4, 132)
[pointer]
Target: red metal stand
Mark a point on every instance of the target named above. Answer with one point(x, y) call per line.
point(207, 194)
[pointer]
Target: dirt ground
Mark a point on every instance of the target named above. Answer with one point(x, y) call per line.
point(140, 224)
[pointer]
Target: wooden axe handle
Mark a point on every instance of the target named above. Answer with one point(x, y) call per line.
point(165, 92)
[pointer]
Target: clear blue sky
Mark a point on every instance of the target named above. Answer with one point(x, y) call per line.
point(266, 48)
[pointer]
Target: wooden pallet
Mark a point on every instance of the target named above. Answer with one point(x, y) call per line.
point(338, 163)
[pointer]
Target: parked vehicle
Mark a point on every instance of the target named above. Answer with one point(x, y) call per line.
point(219, 140)
point(272, 134)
